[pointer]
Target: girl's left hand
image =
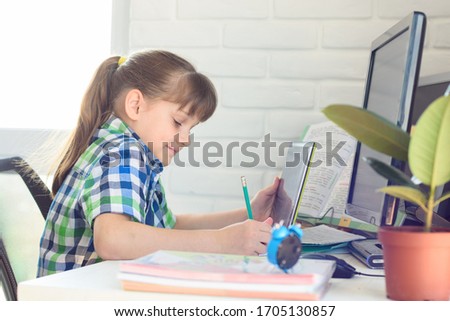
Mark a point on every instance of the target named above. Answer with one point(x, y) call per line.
point(263, 202)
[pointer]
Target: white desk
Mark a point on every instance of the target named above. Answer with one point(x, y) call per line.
point(99, 282)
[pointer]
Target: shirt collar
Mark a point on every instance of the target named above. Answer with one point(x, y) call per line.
point(116, 126)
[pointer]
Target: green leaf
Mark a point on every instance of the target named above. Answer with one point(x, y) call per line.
point(396, 176)
point(429, 152)
point(370, 129)
point(407, 193)
point(442, 198)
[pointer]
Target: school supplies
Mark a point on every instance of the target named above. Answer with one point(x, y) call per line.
point(292, 183)
point(325, 193)
point(225, 275)
point(323, 238)
point(246, 197)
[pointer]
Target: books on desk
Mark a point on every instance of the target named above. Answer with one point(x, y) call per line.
point(225, 275)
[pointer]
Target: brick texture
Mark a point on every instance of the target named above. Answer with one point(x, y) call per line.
point(275, 64)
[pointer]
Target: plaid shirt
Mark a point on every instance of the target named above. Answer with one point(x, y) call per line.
point(116, 174)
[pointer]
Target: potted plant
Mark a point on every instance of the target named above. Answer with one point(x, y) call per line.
point(416, 259)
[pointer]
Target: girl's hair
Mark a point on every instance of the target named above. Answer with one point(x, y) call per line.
point(157, 74)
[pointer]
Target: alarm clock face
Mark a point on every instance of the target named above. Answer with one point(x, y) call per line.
point(289, 252)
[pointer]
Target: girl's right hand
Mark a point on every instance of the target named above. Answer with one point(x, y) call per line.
point(249, 237)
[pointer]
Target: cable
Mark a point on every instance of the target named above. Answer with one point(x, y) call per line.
point(365, 274)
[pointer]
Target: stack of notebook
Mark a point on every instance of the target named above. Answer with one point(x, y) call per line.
point(225, 275)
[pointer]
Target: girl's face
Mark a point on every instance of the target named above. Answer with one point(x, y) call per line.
point(164, 127)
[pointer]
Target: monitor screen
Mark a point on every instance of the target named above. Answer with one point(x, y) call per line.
point(430, 88)
point(391, 81)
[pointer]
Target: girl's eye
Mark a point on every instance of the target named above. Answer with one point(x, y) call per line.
point(177, 123)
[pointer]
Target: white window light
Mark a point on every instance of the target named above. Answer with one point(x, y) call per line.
point(50, 50)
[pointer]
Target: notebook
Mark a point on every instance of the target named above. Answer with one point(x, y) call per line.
point(225, 275)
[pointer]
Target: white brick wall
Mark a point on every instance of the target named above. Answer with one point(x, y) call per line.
point(322, 9)
point(218, 9)
point(397, 8)
point(270, 35)
point(276, 64)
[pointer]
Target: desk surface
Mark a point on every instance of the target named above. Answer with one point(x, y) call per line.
point(99, 282)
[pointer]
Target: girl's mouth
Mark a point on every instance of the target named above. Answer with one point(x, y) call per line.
point(173, 150)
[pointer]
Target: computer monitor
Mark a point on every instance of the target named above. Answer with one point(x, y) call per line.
point(390, 86)
point(429, 89)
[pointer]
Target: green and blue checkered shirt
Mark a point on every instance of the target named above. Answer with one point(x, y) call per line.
point(116, 174)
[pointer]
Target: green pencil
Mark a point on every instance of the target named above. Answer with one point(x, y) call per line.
point(247, 199)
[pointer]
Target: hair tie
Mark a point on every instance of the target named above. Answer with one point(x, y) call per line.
point(121, 60)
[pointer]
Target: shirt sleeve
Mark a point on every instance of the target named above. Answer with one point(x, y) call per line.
point(118, 183)
point(169, 217)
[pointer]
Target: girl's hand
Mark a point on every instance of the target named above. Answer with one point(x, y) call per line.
point(246, 238)
point(263, 202)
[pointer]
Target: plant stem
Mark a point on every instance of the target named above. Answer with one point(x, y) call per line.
point(429, 216)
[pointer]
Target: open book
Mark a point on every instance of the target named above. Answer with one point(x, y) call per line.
point(225, 275)
point(325, 193)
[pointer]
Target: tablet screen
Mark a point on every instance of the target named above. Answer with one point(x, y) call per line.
point(292, 181)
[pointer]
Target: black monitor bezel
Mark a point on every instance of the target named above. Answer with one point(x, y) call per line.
point(414, 24)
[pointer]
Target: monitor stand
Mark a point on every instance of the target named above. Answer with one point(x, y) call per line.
point(437, 221)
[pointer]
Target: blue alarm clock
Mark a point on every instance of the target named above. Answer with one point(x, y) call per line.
point(285, 247)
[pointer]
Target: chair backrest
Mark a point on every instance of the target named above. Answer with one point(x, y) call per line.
point(7, 277)
point(37, 188)
point(43, 198)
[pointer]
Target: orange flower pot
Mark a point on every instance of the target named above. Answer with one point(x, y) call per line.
point(416, 264)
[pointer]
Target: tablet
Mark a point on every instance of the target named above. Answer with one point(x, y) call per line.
point(293, 178)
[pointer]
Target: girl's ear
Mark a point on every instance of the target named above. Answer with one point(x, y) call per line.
point(133, 102)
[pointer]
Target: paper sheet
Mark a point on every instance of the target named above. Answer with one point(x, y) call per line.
point(322, 179)
point(325, 235)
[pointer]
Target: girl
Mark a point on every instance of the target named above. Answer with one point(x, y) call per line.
point(109, 203)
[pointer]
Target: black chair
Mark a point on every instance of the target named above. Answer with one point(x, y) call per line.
point(7, 277)
point(43, 198)
point(37, 188)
